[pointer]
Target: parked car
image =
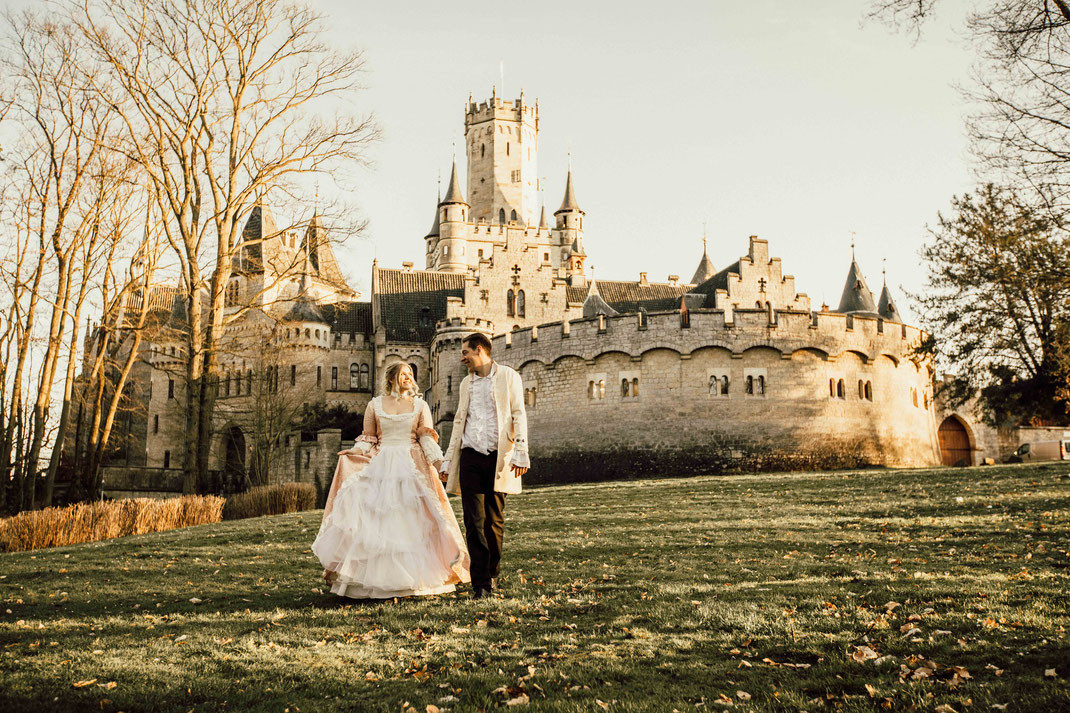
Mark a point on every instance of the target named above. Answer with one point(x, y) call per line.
point(1041, 451)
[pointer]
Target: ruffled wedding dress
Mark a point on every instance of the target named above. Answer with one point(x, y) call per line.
point(388, 529)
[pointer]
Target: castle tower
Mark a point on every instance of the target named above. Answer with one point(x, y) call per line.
point(705, 269)
point(569, 225)
point(886, 305)
point(453, 231)
point(856, 297)
point(502, 143)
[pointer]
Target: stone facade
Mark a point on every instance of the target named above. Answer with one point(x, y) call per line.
point(733, 370)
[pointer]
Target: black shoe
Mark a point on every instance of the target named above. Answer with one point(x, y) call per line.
point(479, 593)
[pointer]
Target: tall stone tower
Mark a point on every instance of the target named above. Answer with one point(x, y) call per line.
point(502, 141)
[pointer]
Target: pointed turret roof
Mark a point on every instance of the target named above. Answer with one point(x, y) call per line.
point(542, 218)
point(321, 261)
point(705, 268)
point(437, 225)
point(886, 306)
point(569, 203)
point(856, 296)
point(594, 305)
point(304, 309)
point(453, 193)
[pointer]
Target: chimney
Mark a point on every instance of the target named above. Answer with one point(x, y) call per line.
point(642, 278)
point(406, 266)
point(674, 279)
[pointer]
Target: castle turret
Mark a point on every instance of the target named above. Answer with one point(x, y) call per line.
point(432, 235)
point(856, 297)
point(502, 143)
point(886, 305)
point(453, 231)
point(569, 226)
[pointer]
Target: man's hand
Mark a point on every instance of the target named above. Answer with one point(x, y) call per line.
point(444, 476)
point(519, 471)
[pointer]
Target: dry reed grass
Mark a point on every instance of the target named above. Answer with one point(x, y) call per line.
point(270, 500)
point(89, 522)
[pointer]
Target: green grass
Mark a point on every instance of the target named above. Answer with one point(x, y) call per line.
point(651, 595)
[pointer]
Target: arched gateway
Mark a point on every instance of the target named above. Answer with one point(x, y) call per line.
point(955, 442)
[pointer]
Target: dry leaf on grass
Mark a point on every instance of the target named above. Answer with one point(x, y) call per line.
point(521, 700)
point(743, 695)
point(863, 653)
point(432, 708)
point(83, 684)
point(871, 691)
point(945, 708)
point(1050, 673)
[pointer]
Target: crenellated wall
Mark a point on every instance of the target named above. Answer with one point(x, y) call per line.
point(585, 423)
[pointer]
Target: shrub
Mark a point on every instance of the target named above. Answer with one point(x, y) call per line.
point(89, 522)
point(270, 500)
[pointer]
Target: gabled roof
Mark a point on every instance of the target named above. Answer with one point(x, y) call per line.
point(636, 296)
point(856, 296)
point(321, 260)
point(412, 301)
point(259, 228)
point(886, 306)
point(349, 317)
point(718, 281)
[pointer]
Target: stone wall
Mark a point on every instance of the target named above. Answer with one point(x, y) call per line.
point(667, 420)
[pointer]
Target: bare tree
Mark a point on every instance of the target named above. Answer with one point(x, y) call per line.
point(221, 103)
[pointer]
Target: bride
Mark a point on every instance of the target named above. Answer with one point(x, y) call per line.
point(388, 529)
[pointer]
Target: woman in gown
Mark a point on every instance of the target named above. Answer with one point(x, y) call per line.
point(388, 529)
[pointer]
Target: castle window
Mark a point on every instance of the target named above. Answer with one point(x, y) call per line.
point(510, 303)
point(334, 378)
point(861, 389)
point(869, 391)
point(926, 397)
point(293, 374)
point(354, 377)
point(226, 385)
point(156, 423)
point(635, 387)
point(249, 382)
point(841, 389)
point(167, 459)
point(506, 148)
point(832, 388)
point(415, 372)
point(317, 334)
point(512, 215)
point(308, 332)
point(445, 250)
point(449, 384)
point(914, 397)
point(521, 309)
point(546, 257)
point(237, 384)
point(501, 215)
point(425, 317)
point(482, 150)
point(365, 378)
point(319, 376)
point(481, 252)
point(601, 389)
point(170, 388)
point(596, 388)
point(625, 387)
point(232, 293)
point(749, 388)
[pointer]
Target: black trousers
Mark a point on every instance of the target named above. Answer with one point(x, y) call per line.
point(484, 523)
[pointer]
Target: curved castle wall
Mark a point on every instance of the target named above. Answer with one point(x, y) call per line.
point(826, 390)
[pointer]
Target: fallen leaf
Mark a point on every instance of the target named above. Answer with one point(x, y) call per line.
point(432, 708)
point(83, 684)
point(863, 653)
point(1049, 673)
point(521, 700)
point(945, 708)
point(194, 600)
point(871, 691)
point(743, 695)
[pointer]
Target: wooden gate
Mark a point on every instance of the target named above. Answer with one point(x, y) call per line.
point(954, 442)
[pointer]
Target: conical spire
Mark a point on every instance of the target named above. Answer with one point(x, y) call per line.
point(312, 240)
point(886, 305)
point(594, 305)
point(542, 218)
point(453, 193)
point(436, 226)
point(705, 268)
point(569, 203)
point(856, 295)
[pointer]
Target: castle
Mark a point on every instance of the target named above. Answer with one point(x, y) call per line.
point(733, 368)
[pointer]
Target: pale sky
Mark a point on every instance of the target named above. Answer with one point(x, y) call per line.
point(796, 122)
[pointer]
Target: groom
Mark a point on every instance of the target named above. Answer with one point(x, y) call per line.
point(487, 455)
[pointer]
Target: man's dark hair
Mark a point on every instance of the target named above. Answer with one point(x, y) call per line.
point(477, 340)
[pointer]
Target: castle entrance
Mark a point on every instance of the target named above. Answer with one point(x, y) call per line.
point(954, 442)
point(234, 464)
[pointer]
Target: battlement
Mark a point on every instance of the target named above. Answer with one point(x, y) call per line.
point(829, 333)
point(501, 109)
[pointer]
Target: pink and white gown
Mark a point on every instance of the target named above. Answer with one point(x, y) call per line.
point(388, 529)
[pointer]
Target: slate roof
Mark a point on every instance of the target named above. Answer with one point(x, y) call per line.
point(453, 193)
point(594, 305)
point(718, 282)
point(628, 296)
point(349, 317)
point(304, 310)
point(856, 297)
point(569, 202)
point(886, 306)
point(705, 269)
point(321, 259)
point(412, 301)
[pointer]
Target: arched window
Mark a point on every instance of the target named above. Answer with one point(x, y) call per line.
point(501, 215)
point(760, 386)
point(714, 385)
point(232, 293)
point(449, 384)
point(334, 378)
point(601, 388)
point(758, 305)
point(749, 388)
point(635, 387)
point(237, 384)
point(724, 385)
point(914, 397)
point(521, 307)
point(832, 388)
point(249, 381)
point(354, 377)
point(226, 385)
point(625, 386)
point(506, 148)
point(861, 389)
point(841, 389)
point(415, 373)
point(512, 215)
point(482, 150)
point(510, 303)
point(590, 389)
point(365, 378)
point(869, 391)
point(534, 396)
point(308, 332)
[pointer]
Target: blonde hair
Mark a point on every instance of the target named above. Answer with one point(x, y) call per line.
point(390, 379)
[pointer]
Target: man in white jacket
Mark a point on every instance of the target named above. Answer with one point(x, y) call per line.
point(487, 455)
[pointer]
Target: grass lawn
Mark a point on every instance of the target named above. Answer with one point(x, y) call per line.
point(933, 590)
